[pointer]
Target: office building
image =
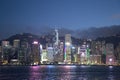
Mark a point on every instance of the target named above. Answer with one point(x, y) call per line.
point(44, 57)
point(50, 54)
point(36, 52)
point(67, 48)
point(23, 53)
point(5, 52)
point(16, 43)
point(95, 59)
point(110, 58)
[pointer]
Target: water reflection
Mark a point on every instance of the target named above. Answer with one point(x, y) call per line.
point(51, 72)
point(34, 73)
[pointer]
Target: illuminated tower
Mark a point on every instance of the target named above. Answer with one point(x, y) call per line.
point(36, 52)
point(83, 54)
point(44, 56)
point(56, 45)
point(56, 37)
point(56, 41)
point(67, 49)
point(50, 54)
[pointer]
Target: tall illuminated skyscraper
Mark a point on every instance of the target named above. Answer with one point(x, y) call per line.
point(83, 54)
point(44, 56)
point(67, 49)
point(56, 45)
point(56, 42)
point(50, 54)
point(56, 37)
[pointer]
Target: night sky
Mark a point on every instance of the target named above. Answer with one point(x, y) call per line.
point(21, 15)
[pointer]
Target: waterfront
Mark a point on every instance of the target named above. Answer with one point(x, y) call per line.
point(59, 72)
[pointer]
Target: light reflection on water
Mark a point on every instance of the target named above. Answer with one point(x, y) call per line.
point(51, 72)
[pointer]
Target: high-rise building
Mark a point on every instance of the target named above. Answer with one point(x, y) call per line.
point(96, 47)
point(118, 53)
point(103, 55)
point(44, 57)
point(83, 54)
point(59, 57)
point(109, 48)
point(67, 48)
point(110, 58)
point(23, 53)
point(103, 49)
point(93, 47)
point(61, 52)
point(16, 43)
point(73, 54)
point(36, 52)
point(56, 44)
point(56, 37)
point(50, 54)
point(5, 43)
point(5, 52)
point(95, 59)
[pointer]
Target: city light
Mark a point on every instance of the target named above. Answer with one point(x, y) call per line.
point(35, 42)
point(67, 43)
point(88, 53)
point(70, 66)
point(51, 66)
point(73, 47)
point(110, 67)
point(83, 54)
point(110, 59)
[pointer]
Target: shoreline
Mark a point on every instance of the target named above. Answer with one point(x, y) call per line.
point(61, 65)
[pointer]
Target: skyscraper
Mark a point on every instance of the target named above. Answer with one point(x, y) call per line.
point(36, 52)
point(22, 52)
point(16, 43)
point(5, 51)
point(44, 57)
point(56, 37)
point(118, 53)
point(50, 54)
point(67, 49)
point(110, 58)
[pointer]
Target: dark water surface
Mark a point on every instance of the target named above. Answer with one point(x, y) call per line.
point(59, 72)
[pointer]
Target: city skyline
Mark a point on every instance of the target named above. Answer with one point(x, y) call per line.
point(32, 15)
point(30, 51)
